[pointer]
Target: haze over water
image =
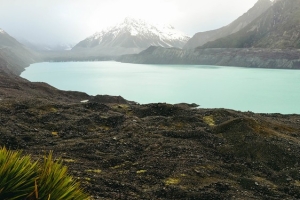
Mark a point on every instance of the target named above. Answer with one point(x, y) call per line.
point(245, 89)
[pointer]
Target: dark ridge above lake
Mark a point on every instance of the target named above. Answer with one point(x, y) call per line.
point(243, 57)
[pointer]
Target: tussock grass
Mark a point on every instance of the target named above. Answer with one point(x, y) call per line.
point(20, 178)
point(17, 175)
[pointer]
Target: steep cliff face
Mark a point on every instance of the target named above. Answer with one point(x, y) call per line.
point(201, 38)
point(278, 27)
point(257, 58)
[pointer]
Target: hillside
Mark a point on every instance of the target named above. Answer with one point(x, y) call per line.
point(16, 56)
point(201, 38)
point(278, 28)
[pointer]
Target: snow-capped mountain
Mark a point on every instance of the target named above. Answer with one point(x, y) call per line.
point(133, 36)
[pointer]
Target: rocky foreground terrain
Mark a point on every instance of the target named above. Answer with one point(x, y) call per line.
point(119, 149)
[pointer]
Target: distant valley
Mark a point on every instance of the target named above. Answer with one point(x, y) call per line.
point(267, 36)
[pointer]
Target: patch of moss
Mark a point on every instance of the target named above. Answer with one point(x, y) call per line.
point(98, 171)
point(209, 120)
point(54, 133)
point(69, 160)
point(172, 181)
point(106, 128)
point(141, 171)
point(118, 166)
point(124, 108)
point(297, 183)
point(183, 175)
point(48, 108)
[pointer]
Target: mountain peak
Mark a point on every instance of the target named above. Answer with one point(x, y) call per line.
point(135, 23)
point(136, 34)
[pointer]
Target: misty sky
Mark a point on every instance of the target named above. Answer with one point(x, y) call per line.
point(70, 21)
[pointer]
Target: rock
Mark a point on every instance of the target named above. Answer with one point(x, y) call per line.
point(108, 99)
point(289, 179)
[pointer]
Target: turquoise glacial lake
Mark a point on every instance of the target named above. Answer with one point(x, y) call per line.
point(244, 89)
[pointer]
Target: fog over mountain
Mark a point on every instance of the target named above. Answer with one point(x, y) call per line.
point(16, 55)
point(277, 28)
point(46, 47)
point(57, 22)
point(203, 37)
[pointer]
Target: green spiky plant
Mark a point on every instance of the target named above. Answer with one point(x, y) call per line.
point(20, 178)
point(17, 175)
point(54, 182)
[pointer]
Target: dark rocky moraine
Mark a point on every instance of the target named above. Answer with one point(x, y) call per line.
point(122, 150)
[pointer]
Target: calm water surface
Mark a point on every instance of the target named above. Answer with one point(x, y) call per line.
point(245, 89)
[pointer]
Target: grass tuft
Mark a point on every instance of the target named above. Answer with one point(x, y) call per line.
point(17, 175)
point(20, 178)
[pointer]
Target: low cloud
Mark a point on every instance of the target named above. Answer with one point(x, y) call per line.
point(56, 21)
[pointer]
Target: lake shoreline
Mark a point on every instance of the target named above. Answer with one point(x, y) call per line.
point(207, 86)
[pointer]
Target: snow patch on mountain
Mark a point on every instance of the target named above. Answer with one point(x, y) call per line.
point(142, 28)
point(2, 31)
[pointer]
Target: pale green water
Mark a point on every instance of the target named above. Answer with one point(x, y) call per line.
point(245, 89)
